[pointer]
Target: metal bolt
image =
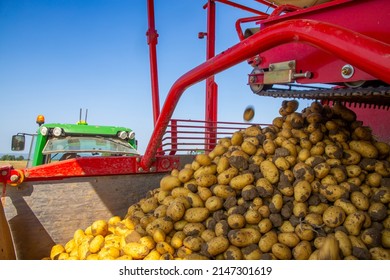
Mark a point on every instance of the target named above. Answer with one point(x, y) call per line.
point(347, 71)
point(140, 169)
point(14, 178)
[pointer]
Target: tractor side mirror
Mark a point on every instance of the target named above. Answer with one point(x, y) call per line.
point(18, 142)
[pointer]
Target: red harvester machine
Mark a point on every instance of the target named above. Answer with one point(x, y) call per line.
point(333, 51)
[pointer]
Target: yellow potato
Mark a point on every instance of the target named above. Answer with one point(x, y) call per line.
point(240, 181)
point(169, 182)
point(244, 237)
point(269, 171)
point(196, 214)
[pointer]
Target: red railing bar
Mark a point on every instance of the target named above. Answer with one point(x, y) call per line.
point(242, 7)
point(348, 45)
point(220, 122)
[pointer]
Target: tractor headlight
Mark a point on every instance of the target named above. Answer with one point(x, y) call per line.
point(131, 135)
point(122, 135)
point(44, 130)
point(57, 131)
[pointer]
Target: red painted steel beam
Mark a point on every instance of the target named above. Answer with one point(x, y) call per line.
point(343, 43)
point(211, 106)
point(152, 36)
point(86, 167)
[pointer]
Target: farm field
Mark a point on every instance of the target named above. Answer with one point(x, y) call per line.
point(15, 163)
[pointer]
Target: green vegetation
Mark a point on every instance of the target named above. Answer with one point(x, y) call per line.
point(12, 158)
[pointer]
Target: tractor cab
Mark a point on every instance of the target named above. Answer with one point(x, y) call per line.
point(57, 142)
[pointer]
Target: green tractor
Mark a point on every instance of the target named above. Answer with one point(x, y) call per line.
point(57, 142)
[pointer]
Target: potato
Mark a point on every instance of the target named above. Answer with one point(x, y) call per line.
point(371, 237)
point(233, 253)
point(333, 216)
point(359, 249)
point(276, 203)
point(206, 180)
point(302, 251)
point(364, 148)
point(344, 243)
point(302, 190)
point(265, 225)
point(290, 239)
point(227, 175)
point(281, 251)
point(56, 250)
point(99, 227)
point(305, 232)
point(204, 193)
point(267, 241)
point(222, 164)
point(214, 203)
point(223, 191)
point(252, 217)
point(333, 151)
point(193, 243)
point(269, 146)
point(169, 182)
point(193, 229)
point(203, 159)
point(282, 163)
point(377, 211)
point(350, 157)
point(304, 172)
point(210, 169)
point(196, 214)
point(217, 245)
point(379, 253)
point(244, 237)
point(346, 205)
point(175, 210)
point(163, 223)
point(253, 130)
point(249, 148)
point(287, 144)
point(251, 252)
point(360, 200)
point(217, 151)
point(314, 219)
point(195, 200)
point(321, 170)
point(300, 209)
point(329, 249)
point(240, 181)
point(386, 238)
point(185, 174)
point(374, 179)
point(264, 187)
point(332, 192)
point(135, 250)
point(269, 171)
point(236, 221)
point(354, 222)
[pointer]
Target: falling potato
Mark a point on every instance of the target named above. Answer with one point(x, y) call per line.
point(249, 113)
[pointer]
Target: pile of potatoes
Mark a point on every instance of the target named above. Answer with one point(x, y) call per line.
point(313, 185)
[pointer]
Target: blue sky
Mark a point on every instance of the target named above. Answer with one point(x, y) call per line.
point(57, 56)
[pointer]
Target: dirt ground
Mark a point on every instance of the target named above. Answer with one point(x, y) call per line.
point(15, 163)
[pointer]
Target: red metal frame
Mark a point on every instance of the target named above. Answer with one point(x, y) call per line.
point(152, 36)
point(343, 43)
point(211, 106)
point(368, 18)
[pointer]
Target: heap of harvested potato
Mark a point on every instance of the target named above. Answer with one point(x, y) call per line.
point(313, 185)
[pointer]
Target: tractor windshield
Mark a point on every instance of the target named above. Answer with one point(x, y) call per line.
point(76, 146)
